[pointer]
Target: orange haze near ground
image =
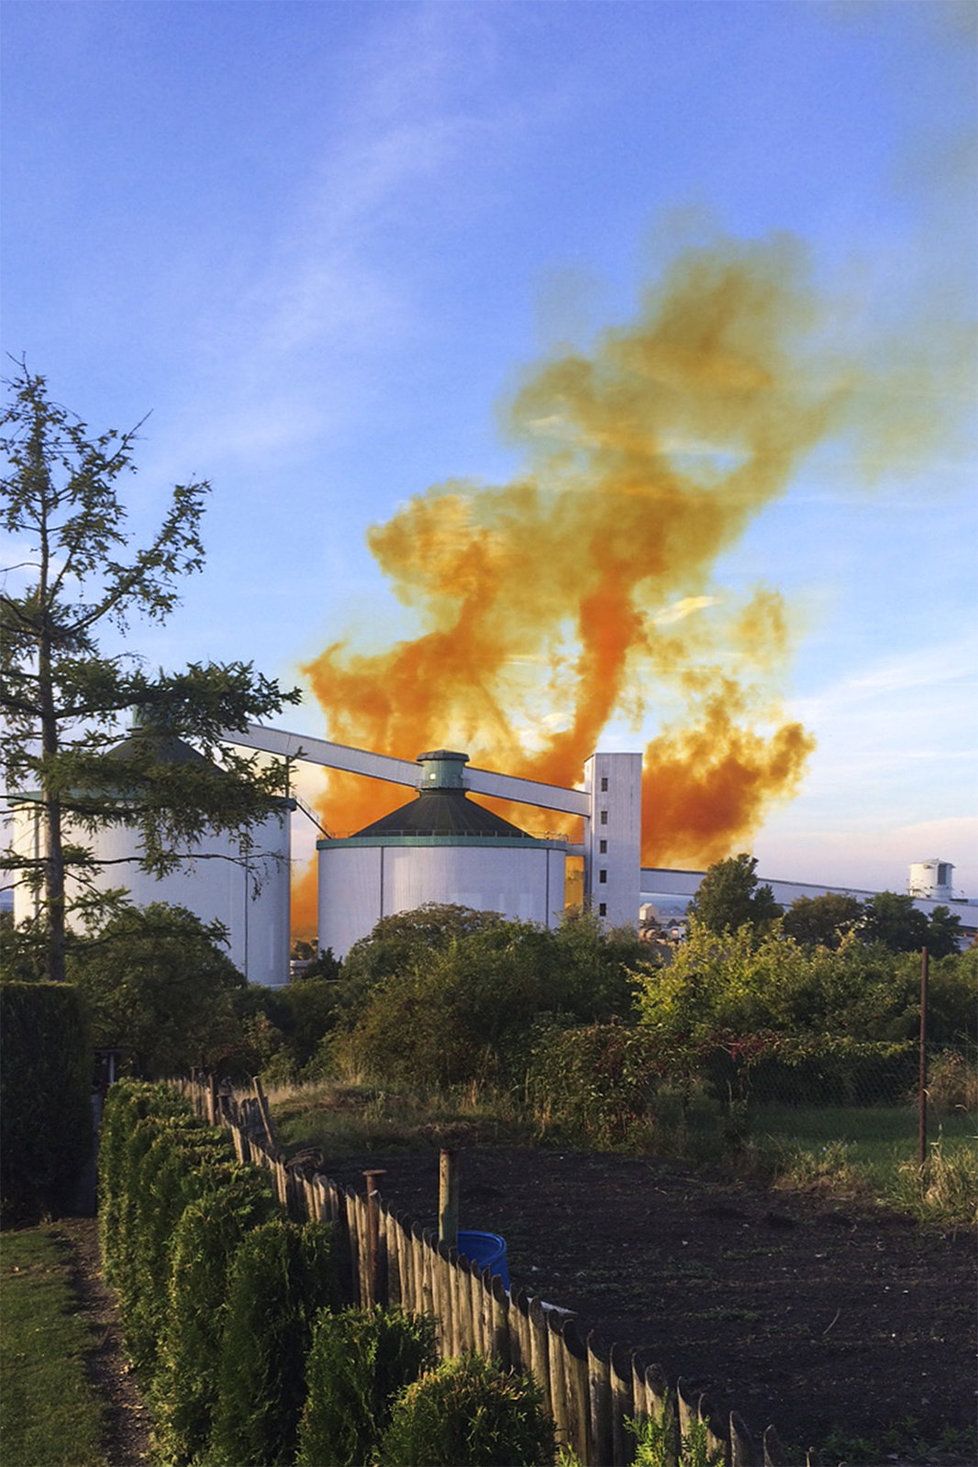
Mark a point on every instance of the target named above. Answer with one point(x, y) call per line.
point(582, 590)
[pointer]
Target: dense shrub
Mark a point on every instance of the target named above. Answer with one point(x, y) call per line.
point(597, 1081)
point(360, 1360)
point(281, 1276)
point(832, 1069)
point(185, 1159)
point(467, 1011)
point(469, 1413)
point(764, 1017)
point(206, 1237)
point(128, 1102)
point(45, 1097)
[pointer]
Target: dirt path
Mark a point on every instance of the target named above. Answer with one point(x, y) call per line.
point(126, 1440)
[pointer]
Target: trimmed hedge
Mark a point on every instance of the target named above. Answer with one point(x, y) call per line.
point(210, 1230)
point(280, 1278)
point(359, 1362)
point(185, 1159)
point(469, 1413)
point(45, 1098)
point(128, 1102)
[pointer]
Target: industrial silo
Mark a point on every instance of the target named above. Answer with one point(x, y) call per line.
point(439, 847)
point(213, 882)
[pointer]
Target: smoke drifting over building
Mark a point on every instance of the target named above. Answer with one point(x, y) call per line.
point(585, 589)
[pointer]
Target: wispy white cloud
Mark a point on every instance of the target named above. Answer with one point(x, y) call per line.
point(288, 337)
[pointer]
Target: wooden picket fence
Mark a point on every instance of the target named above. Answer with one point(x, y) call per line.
point(591, 1393)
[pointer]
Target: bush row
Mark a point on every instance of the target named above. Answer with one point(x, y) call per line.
point(45, 1097)
point(233, 1319)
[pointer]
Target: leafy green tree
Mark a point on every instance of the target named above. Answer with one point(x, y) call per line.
point(160, 990)
point(324, 965)
point(943, 932)
point(729, 897)
point(78, 579)
point(822, 921)
point(399, 941)
point(891, 918)
point(466, 1010)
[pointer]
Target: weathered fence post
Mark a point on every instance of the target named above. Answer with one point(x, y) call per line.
point(374, 1259)
point(773, 1451)
point(540, 1350)
point(742, 1453)
point(502, 1347)
point(264, 1112)
point(448, 1197)
point(558, 1385)
point(622, 1443)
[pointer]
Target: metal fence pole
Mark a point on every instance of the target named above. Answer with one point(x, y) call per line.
point(922, 1081)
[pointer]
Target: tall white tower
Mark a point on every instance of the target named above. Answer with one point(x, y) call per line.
point(932, 879)
point(613, 838)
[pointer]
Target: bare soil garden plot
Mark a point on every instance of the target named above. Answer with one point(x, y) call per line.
point(795, 1310)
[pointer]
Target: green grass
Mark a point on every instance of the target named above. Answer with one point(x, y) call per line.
point(872, 1151)
point(879, 1136)
point(349, 1120)
point(49, 1415)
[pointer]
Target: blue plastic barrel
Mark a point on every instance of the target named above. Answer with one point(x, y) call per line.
point(487, 1250)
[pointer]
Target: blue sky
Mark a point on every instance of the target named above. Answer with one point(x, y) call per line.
point(322, 242)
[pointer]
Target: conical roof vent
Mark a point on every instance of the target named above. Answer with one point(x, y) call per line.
point(443, 807)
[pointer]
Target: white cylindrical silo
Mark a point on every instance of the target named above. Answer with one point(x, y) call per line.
point(441, 847)
point(249, 897)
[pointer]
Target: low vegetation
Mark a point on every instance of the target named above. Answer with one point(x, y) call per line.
point(468, 1411)
point(360, 1362)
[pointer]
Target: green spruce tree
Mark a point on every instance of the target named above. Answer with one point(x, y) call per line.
point(66, 693)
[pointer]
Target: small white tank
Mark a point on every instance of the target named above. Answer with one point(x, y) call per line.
point(440, 847)
point(932, 879)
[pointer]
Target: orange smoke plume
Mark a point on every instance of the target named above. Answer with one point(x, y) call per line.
point(581, 591)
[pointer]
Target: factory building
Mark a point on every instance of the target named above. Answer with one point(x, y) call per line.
point(666, 894)
point(441, 846)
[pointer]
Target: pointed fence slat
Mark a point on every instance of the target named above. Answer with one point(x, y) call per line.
point(539, 1347)
point(599, 1403)
point(623, 1408)
point(558, 1386)
point(576, 1387)
point(502, 1325)
point(742, 1450)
